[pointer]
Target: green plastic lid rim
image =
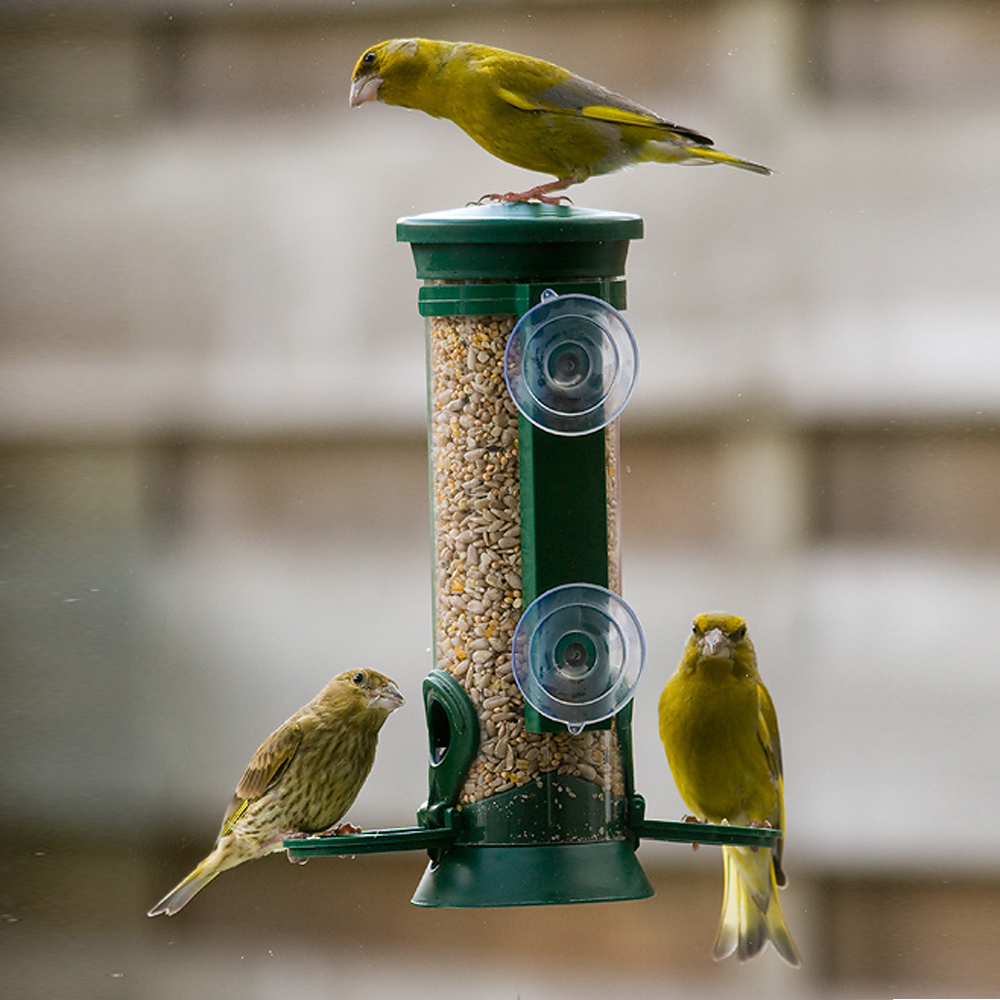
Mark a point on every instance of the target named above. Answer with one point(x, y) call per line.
point(516, 223)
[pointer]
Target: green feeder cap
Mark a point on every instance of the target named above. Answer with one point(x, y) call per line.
point(519, 242)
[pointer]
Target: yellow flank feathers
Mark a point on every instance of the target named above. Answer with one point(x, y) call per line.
point(720, 733)
point(528, 112)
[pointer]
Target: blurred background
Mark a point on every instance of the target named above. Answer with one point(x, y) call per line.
point(213, 472)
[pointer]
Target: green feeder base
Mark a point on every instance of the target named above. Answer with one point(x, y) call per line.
point(533, 875)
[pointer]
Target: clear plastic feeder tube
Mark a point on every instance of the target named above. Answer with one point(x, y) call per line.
point(478, 580)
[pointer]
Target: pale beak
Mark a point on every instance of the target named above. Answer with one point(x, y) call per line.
point(390, 697)
point(365, 88)
point(716, 644)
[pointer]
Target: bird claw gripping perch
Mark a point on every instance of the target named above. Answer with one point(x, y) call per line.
point(692, 819)
point(537, 193)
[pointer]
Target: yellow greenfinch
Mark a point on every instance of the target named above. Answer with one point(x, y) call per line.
point(528, 112)
point(302, 779)
point(720, 732)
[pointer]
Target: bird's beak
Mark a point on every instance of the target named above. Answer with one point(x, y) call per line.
point(390, 697)
point(716, 644)
point(364, 88)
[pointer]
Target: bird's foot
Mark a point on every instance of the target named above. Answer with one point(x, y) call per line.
point(759, 824)
point(340, 830)
point(337, 830)
point(693, 819)
point(294, 835)
point(538, 193)
point(527, 197)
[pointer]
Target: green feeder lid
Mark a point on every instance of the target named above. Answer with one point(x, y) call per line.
point(521, 242)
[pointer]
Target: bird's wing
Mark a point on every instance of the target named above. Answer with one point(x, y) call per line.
point(531, 88)
point(270, 760)
point(767, 733)
point(266, 767)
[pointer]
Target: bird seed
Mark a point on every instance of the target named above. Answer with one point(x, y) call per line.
point(477, 552)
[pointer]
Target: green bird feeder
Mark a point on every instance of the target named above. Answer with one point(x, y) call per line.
point(531, 797)
point(529, 363)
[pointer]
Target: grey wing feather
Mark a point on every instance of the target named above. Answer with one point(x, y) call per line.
point(576, 93)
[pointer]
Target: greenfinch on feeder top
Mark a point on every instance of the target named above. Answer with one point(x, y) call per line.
point(720, 733)
point(528, 112)
point(301, 780)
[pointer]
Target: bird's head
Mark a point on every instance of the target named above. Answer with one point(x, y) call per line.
point(363, 692)
point(716, 636)
point(388, 72)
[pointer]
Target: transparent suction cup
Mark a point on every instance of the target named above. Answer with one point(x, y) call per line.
point(578, 654)
point(571, 363)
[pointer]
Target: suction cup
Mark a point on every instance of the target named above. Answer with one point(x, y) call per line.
point(578, 654)
point(571, 363)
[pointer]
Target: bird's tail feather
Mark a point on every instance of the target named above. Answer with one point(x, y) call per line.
point(664, 151)
point(699, 154)
point(184, 891)
point(751, 911)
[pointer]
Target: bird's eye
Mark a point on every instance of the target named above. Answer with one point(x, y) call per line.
point(695, 630)
point(358, 678)
point(368, 58)
point(740, 633)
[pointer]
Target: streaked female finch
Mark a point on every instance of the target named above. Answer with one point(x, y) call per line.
point(302, 779)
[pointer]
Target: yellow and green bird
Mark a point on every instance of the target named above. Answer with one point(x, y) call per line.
point(720, 732)
point(528, 112)
point(302, 779)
